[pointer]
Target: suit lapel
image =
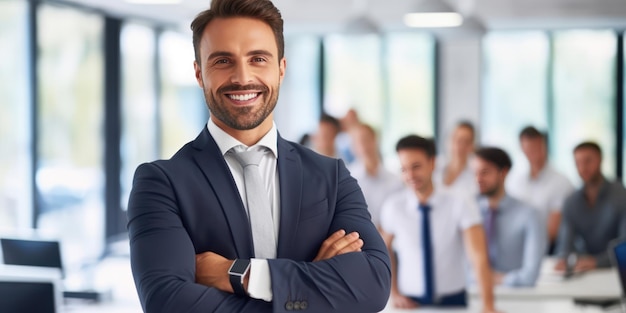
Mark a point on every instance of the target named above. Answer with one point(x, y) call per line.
point(211, 161)
point(290, 180)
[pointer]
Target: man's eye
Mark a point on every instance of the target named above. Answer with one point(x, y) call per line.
point(258, 59)
point(221, 61)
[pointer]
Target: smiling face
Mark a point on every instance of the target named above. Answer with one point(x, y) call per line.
point(240, 72)
point(417, 169)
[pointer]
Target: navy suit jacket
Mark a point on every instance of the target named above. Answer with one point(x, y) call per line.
point(190, 204)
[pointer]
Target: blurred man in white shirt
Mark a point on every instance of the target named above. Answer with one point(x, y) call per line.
point(539, 184)
point(427, 230)
point(453, 171)
point(376, 182)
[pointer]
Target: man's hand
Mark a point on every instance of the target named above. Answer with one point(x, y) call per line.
point(401, 302)
point(212, 271)
point(497, 277)
point(339, 243)
point(585, 263)
point(560, 266)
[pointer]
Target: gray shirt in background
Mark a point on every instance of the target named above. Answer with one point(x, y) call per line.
point(588, 230)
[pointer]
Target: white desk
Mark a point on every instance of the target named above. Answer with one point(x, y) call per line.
point(595, 284)
point(513, 306)
point(551, 295)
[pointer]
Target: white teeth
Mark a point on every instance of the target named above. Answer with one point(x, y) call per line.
point(245, 97)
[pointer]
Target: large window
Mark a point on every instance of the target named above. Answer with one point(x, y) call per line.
point(139, 118)
point(569, 91)
point(353, 77)
point(514, 89)
point(410, 65)
point(183, 110)
point(299, 101)
point(15, 156)
point(388, 80)
point(584, 96)
point(70, 172)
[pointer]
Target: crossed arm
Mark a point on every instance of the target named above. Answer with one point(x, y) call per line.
point(212, 268)
point(163, 258)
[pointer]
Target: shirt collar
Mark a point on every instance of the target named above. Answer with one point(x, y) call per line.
point(505, 203)
point(544, 171)
point(414, 202)
point(603, 188)
point(225, 142)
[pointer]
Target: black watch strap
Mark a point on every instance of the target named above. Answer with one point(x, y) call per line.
point(237, 272)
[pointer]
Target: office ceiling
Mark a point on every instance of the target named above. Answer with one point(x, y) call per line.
point(332, 15)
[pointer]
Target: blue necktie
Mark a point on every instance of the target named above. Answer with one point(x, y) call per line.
point(427, 245)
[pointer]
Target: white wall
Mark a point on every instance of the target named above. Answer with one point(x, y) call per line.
point(459, 83)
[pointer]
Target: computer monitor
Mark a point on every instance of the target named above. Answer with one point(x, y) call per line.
point(33, 291)
point(31, 253)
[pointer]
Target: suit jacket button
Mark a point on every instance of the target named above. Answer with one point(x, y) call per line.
point(296, 305)
point(303, 305)
point(289, 306)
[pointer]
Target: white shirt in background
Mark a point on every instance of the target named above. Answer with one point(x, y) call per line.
point(465, 182)
point(376, 188)
point(451, 214)
point(546, 193)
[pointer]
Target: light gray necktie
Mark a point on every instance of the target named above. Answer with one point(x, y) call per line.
point(259, 206)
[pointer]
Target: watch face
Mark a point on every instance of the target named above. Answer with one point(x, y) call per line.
point(239, 266)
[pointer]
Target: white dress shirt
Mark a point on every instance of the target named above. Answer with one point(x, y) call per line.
point(465, 182)
point(259, 284)
point(450, 215)
point(546, 193)
point(375, 188)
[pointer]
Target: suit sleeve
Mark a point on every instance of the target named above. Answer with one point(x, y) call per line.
point(163, 255)
point(352, 282)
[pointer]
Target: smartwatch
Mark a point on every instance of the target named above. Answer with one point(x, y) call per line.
point(237, 272)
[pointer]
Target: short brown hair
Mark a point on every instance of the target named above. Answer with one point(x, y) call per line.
point(530, 132)
point(414, 142)
point(263, 10)
point(589, 145)
point(496, 156)
point(469, 126)
point(325, 118)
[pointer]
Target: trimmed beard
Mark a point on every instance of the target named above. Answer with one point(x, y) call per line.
point(241, 118)
point(491, 192)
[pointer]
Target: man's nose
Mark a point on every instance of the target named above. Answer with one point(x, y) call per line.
point(242, 74)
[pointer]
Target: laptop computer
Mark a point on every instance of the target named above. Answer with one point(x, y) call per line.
point(41, 253)
point(27, 289)
point(617, 253)
point(32, 253)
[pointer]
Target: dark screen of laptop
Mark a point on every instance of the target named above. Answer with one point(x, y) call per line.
point(26, 297)
point(620, 257)
point(31, 253)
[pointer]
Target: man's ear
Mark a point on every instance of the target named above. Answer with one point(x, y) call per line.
point(198, 71)
point(504, 172)
point(282, 66)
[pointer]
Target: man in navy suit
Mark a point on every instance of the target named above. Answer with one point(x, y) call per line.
point(190, 217)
